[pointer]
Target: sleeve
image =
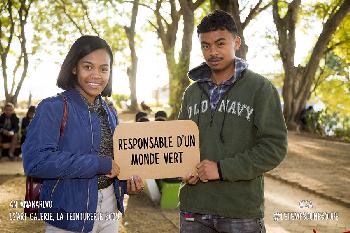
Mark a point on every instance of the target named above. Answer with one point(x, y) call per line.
point(271, 141)
point(15, 124)
point(42, 156)
point(24, 125)
point(183, 114)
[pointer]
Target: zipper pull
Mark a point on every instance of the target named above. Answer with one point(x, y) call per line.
point(120, 191)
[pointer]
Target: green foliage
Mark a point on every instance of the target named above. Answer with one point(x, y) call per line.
point(335, 94)
point(341, 40)
point(71, 19)
point(333, 84)
point(328, 123)
point(340, 43)
point(119, 98)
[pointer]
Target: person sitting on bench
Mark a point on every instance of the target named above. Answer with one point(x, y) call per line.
point(9, 129)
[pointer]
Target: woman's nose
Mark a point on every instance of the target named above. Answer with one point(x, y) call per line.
point(96, 73)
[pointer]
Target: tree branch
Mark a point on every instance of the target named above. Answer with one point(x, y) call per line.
point(69, 17)
point(88, 17)
point(23, 21)
point(329, 28)
point(252, 13)
point(197, 4)
point(336, 45)
point(18, 63)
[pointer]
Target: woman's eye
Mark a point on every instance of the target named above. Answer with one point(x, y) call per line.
point(88, 67)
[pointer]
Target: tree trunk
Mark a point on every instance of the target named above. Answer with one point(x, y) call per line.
point(22, 11)
point(232, 7)
point(178, 80)
point(132, 69)
point(298, 80)
point(23, 15)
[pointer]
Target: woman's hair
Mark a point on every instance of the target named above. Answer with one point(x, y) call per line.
point(31, 109)
point(82, 47)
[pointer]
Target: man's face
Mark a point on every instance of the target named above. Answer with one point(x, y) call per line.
point(8, 111)
point(218, 48)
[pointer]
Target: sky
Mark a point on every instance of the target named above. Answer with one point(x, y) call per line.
point(152, 70)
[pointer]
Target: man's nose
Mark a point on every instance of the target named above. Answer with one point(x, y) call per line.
point(213, 50)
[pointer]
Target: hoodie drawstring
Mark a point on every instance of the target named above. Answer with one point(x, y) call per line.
point(225, 113)
point(200, 101)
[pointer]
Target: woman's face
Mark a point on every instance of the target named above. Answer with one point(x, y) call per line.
point(93, 72)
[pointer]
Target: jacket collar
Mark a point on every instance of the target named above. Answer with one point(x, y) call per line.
point(203, 71)
point(74, 95)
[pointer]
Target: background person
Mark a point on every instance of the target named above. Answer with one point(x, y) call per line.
point(9, 126)
point(25, 122)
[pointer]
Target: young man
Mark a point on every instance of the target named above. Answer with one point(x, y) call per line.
point(9, 126)
point(242, 135)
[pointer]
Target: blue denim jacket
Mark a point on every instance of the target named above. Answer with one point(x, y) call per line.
point(69, 164)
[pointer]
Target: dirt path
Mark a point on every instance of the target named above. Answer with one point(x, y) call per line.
point(317, 165)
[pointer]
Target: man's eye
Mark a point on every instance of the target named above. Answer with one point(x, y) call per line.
point(105, 69)
point(205, 46)
point(221, 44)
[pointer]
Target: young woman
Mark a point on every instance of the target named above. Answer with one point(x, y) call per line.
point(74, 154)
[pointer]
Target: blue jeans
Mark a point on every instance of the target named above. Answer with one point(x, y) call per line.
point(208, 223)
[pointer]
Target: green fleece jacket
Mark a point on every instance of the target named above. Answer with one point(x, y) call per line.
point(246, 135)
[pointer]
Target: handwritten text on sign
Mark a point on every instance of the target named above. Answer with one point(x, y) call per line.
point(160, 149)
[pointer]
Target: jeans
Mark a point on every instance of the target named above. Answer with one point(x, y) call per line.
point(107, 205)
point(208, 223)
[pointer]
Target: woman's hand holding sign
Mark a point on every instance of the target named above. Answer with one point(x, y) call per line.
point(134, 185)
point(115, 170)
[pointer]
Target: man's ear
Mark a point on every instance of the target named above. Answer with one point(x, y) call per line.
point(237, 42)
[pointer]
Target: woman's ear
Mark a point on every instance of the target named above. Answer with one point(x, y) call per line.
point(74, 71)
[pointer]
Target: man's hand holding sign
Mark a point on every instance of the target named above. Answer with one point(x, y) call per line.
point(156, 149)
point(206, 170)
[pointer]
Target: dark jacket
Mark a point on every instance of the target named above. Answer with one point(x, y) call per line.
point(246, 136)
point(14, 122)
point(69, 164)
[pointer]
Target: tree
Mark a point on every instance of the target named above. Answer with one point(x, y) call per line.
point(72, 19)
point(233, 7)
point(132, 69)
point(167, 31)
point(13, 19)
point(299, 79)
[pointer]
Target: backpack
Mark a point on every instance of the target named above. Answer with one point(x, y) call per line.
point(34, 184)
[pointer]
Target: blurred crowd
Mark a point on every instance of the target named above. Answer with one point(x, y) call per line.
point(13, 131)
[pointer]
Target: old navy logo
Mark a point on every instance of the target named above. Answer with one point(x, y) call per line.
point(231, 107)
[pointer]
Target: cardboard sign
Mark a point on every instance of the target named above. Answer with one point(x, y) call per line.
point(158, 149)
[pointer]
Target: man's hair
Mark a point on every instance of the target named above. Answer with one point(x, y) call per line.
point(217, 20)
point(83, 46)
